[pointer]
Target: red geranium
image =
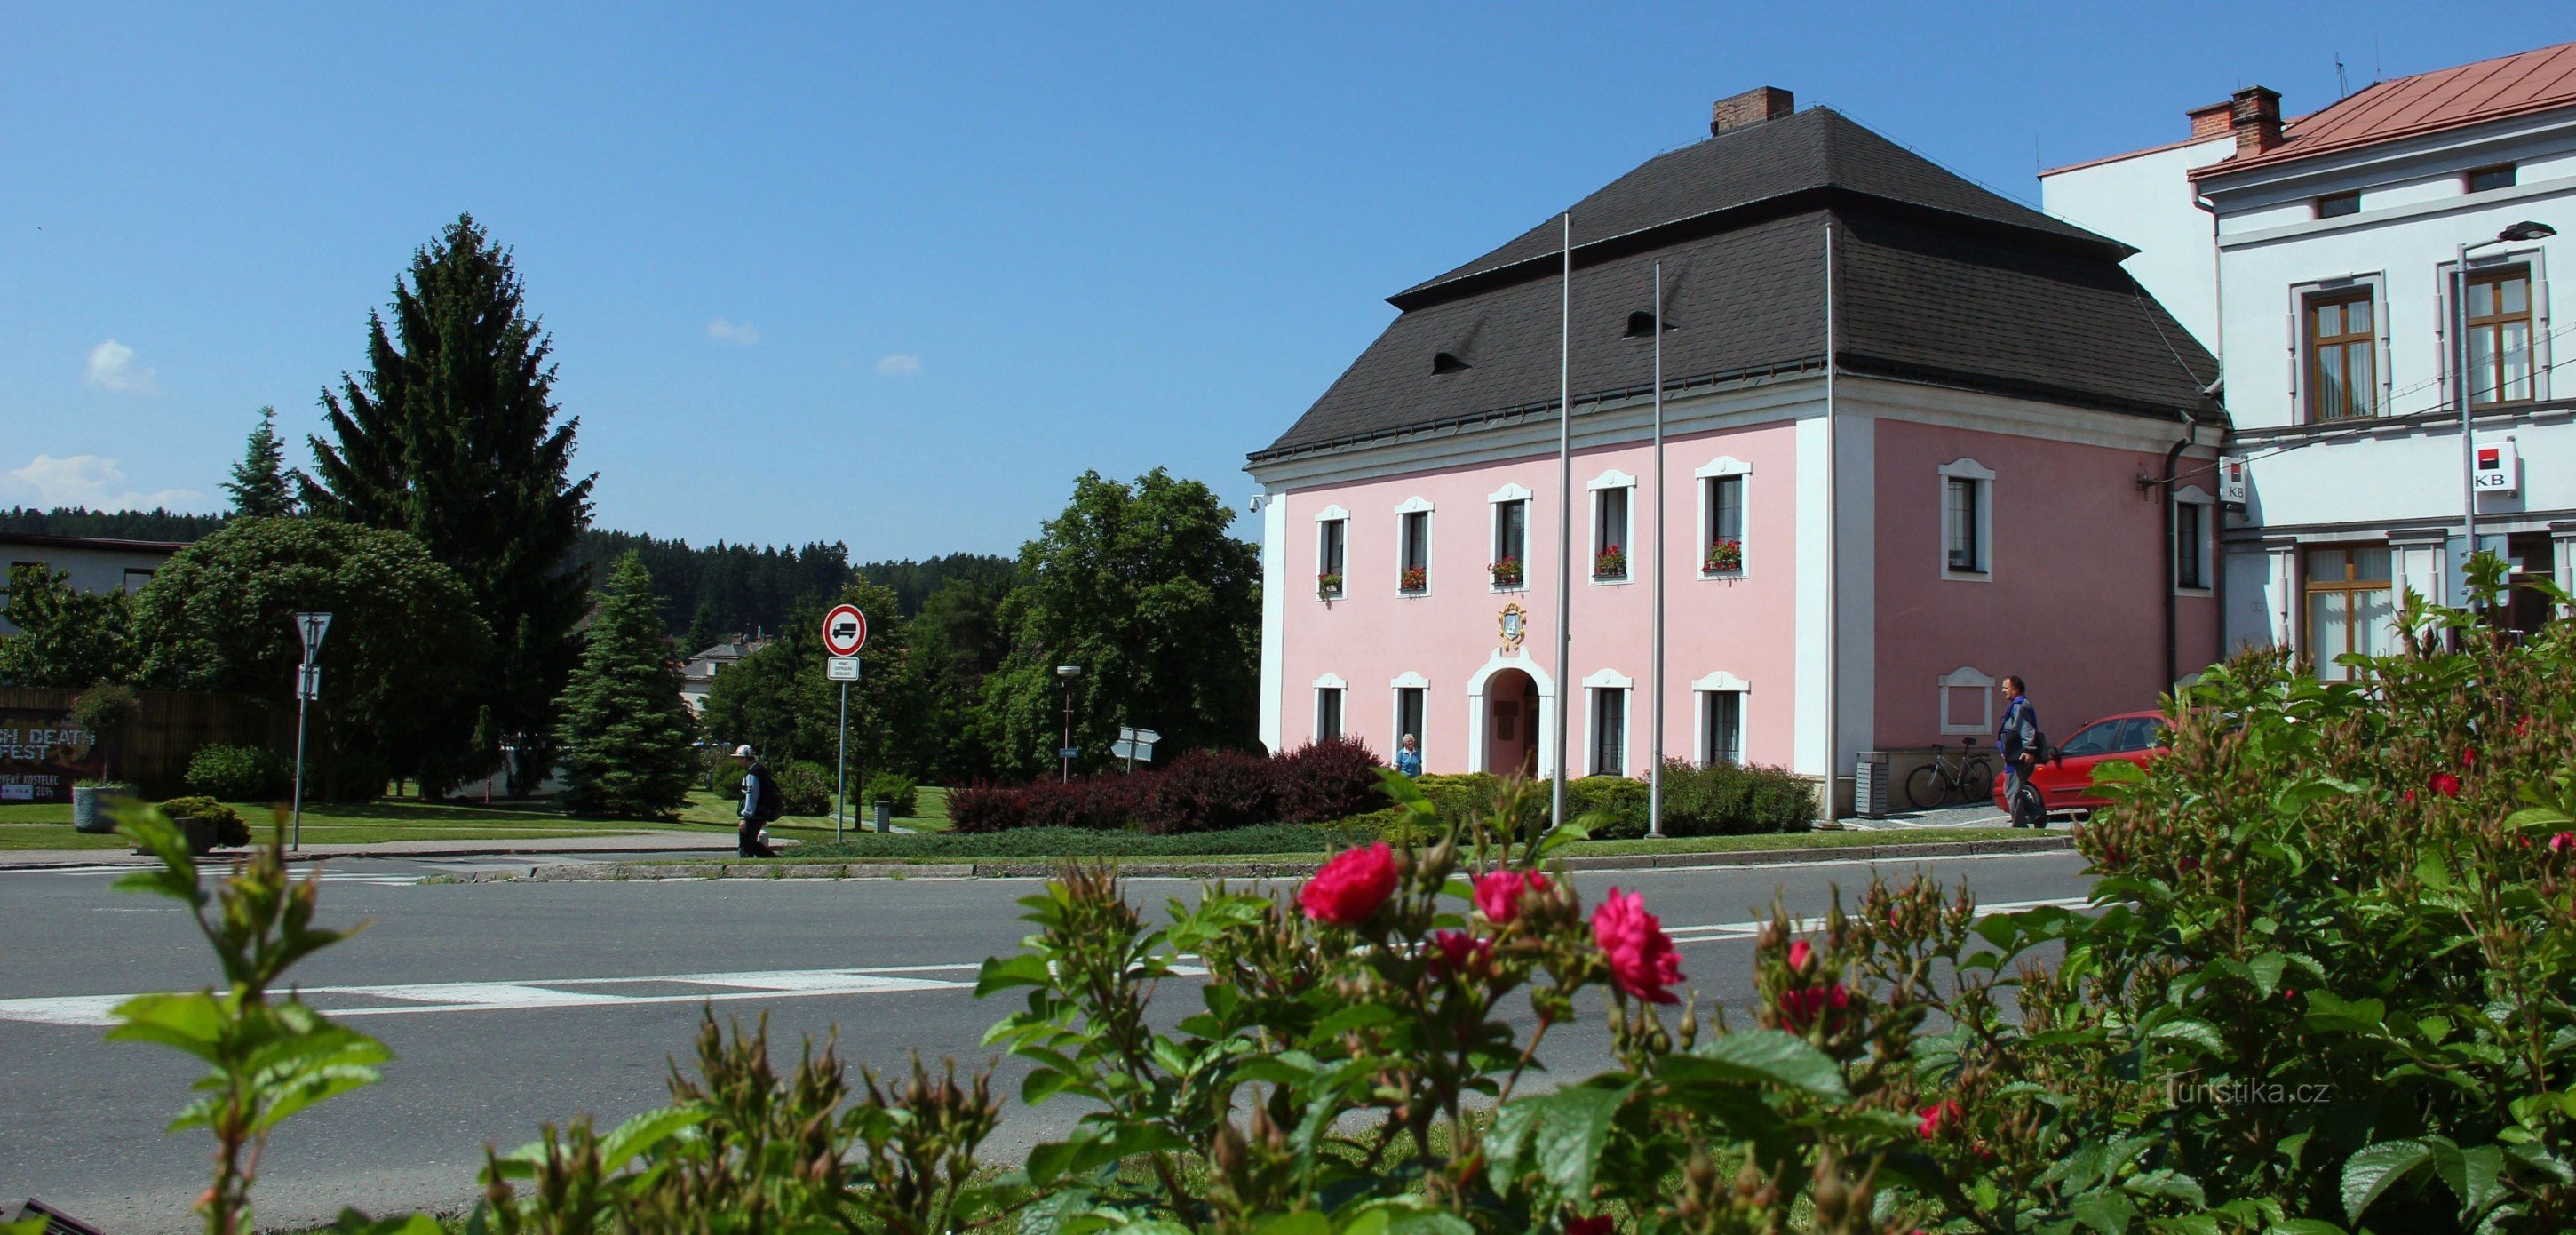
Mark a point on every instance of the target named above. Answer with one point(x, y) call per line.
point(1633, 941)
point(1498, 894)
point(2445, 784)
point(1350, 887)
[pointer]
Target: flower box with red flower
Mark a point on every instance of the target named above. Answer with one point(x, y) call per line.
point(1414, 579)
point(1507, 572)
point(1610, 563)
point(1726, 557)
point(1328, 585)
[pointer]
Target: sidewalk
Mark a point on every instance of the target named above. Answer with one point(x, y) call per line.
point(607, 845)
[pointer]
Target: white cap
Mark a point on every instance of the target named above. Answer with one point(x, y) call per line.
point(742, 752)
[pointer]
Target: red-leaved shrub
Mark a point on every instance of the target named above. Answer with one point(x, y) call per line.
point(1096, 802)
point(1209, 791)
point(1325, 781)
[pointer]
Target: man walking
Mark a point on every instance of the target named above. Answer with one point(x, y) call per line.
point(760, 804)
point(2018, 740)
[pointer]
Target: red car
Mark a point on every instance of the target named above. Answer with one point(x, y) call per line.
point(2066, 783)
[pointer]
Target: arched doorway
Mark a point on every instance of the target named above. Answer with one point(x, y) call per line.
point(1511, 724)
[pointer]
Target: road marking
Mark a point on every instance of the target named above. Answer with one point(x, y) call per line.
point(420, 997)
point(1722, 932)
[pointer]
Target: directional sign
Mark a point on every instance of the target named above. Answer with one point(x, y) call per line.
point(308, 682)
point(845, 630)
point(842, 669)
point(1145, 737)
point(312, 626)
point(1068, 752)
point(1140, 751)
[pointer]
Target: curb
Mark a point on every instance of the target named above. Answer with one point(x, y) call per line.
point(122, 857)
point(1023, 868)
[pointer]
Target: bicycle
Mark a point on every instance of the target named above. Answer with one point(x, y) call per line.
point(1942, 781)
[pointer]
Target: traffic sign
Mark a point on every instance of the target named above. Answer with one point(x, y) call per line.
point(842, 669)
point(312, 626)
point(1132, 751)
point(1143, 736)
point(308, 682)
point(1068, 752)
point(845, 630)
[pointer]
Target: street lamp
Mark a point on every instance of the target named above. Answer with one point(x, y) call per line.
point(2524, 231)
point(1068, 673)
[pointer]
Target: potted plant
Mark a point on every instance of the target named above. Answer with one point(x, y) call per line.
point(207, 824)
point(1507, 572)
point(1328, 585)
point(1724, 558)
point(1414, 579)
point(103, 710)
point(1610, 563)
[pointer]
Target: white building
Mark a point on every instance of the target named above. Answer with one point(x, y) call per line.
point(94, 563)
point(2326, 248)
point(698, 677)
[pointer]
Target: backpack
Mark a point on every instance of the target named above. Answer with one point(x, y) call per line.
point(771, 805)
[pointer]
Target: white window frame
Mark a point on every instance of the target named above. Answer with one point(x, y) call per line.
point(1330, 686)
point(1416, 505)
point(2203, 545)
point(1396, 687)
point(1601, 680)
point(1494, 503)
point(1707, 477)
point(1333, 514)
point(1614, 479)
point(1967, 677)
point(1968, 469)
point(1721, 682)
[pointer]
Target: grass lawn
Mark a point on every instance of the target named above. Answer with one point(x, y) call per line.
point(1298, 841)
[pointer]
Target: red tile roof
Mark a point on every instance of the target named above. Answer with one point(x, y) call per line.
point(2512, 85)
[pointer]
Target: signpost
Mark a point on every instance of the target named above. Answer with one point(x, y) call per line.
point(845, 631)
point(308, 687)
point(1134, 744)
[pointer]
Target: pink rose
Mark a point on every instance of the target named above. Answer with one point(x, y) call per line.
point(2562, 842)
point(1633, 941)
point(1809, 1005)
point(1937, 1118)
point(2445, 784)
point(1461, 952)
point(1498, 894)
point(1799, 954)
point(1350, 887)
point(2469, 757)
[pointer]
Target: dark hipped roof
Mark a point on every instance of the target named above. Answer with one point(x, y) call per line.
point(1936, 280)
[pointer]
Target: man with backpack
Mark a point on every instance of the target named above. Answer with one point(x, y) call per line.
point(760, 804)
point(2019, 740)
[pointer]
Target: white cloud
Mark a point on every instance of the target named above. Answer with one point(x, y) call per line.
point(899, 366)
point(112, 367)
point(743, 333)
point(86, 480)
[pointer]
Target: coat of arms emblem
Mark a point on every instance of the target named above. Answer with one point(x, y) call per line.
point(1515, 623)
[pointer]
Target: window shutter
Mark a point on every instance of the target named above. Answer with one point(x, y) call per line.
point(2298, 347)
point(2540, 346)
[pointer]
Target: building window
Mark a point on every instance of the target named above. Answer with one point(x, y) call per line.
point(1332, 544)
point(1610, 533)
point(2336, 205)
point(1510, 563)
point(2191, 545)
point(2350, 606)
point(1721, 727)
point(1413, 552)
point(2485, 178)
point(1328, 713)
point(2343, 356)
point(1967, 701)
point(1409, 702)
point(1963, 525)
point(2500, 336)
point(1724, 552)
point(135, 579)
point(1609, 731)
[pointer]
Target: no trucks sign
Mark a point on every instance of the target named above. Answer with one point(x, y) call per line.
point(845, 630)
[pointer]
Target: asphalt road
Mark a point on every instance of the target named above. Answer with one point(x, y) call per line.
point(509, 1005)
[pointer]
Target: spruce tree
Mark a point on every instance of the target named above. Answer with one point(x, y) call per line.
point(451, 435)
point(625, 736)
point(259, 485)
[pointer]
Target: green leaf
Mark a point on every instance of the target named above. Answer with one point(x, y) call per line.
point(192, 1023)
point(2373, 1169)
point(351, 1222)
point(1303, 1222)
point(2105, 1211)
point(2266, 970)
point(1560, 1133)
point(2189, 1029)
point(1004, 972)
point(642, 1133)
point(2473, 1176)
point(1764, 1056)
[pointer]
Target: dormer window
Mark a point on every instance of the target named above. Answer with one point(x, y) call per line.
point(2336, 205)
point(2485, 178)
point(1641, 325)
point(1446, 362)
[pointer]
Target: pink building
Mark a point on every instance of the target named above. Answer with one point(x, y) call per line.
point(1916, 436)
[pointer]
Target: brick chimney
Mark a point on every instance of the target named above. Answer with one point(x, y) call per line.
point(2211, 121)
point(1751, 107)
point(2255, 115)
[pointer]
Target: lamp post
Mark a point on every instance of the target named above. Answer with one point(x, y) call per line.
point(2461, 389)
point(1068, 673)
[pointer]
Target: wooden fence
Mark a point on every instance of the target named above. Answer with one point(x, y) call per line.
point(167, 729)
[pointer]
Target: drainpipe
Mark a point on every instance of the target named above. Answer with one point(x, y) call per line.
point(2173, 666)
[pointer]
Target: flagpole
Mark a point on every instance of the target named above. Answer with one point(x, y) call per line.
point(1564, 514)
point(1655, 770)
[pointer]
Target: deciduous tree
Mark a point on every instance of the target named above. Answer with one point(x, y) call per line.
point(625, 734)
point(67, 638)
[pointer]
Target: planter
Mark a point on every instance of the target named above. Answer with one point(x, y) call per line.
point(89, 807)
point(199, 833)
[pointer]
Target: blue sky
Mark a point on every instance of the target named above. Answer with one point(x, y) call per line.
point(894, 275)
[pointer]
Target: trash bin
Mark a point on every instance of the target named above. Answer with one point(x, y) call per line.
point(1869, 785)
point(884, 811)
